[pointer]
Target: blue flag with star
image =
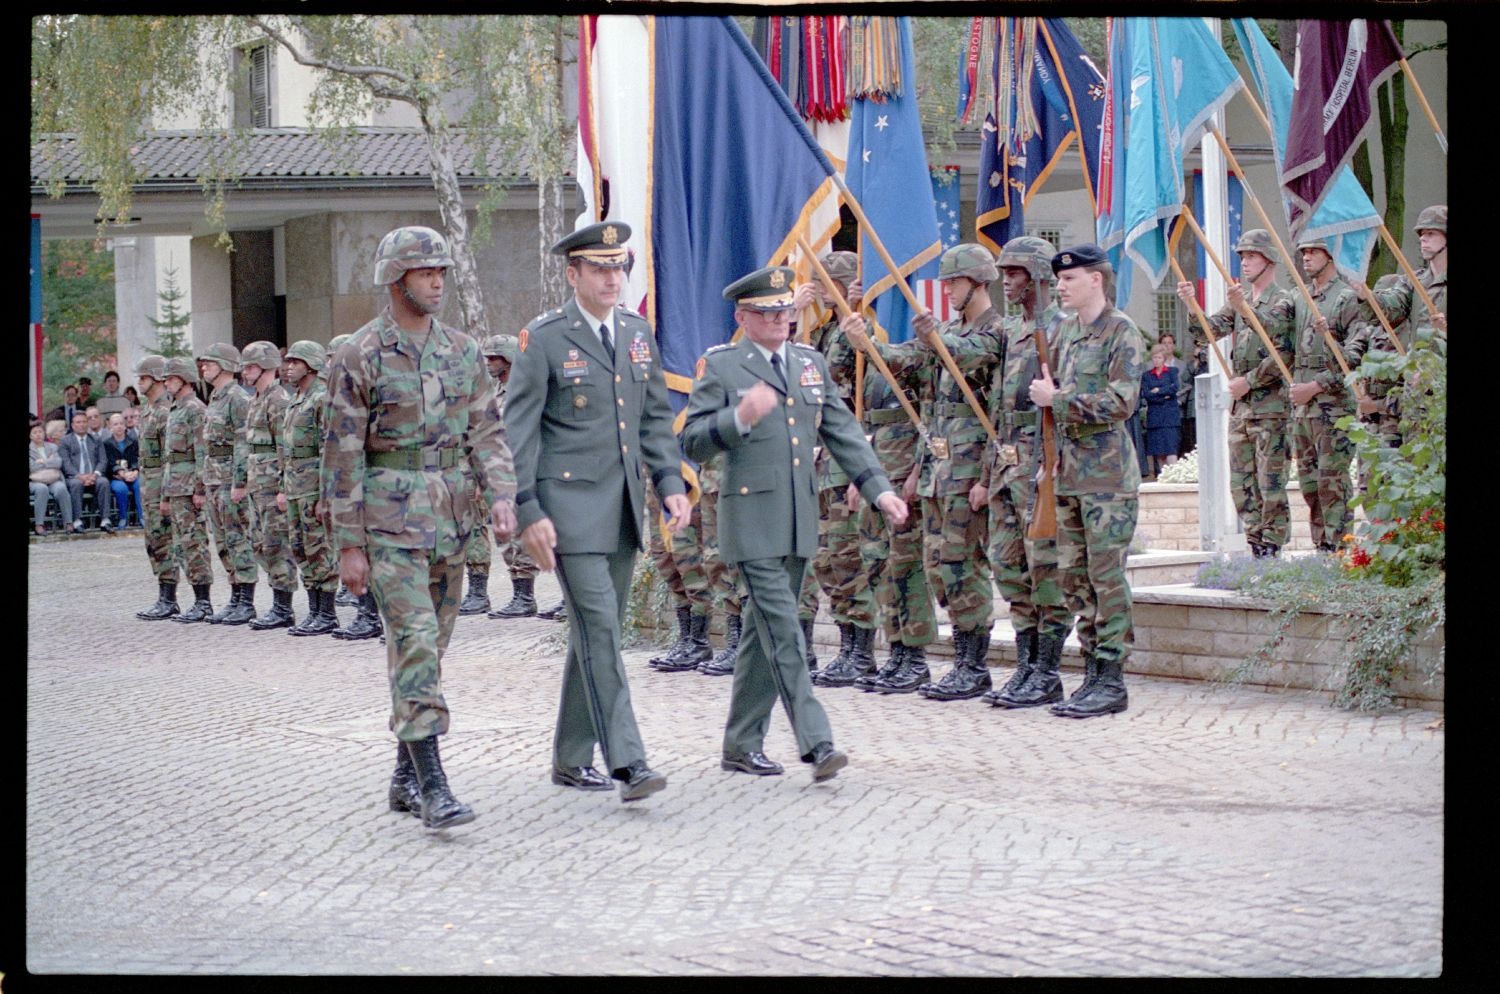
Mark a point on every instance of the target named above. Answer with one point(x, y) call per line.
point(945, 205)
point(887, 173)
point(1235, 196)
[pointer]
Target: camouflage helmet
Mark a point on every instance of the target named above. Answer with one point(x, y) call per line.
point(968, 259)
point(504, 346)
point(842, 266)
point(262, 354)
point(334, 344)
point(413, 247)
point(1387, 281)
point(1434, 218)
point(1308, 242)
point(309, 352)
point(1030, 253)
point(226, 355)
point(153, 366)
point(182, 366)
point(1257, 240)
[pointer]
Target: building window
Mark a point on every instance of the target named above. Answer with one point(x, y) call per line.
point(252, 92)
point(1170, 315)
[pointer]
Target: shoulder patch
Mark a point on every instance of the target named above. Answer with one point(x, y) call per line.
point(700, 368)
point(522, 338)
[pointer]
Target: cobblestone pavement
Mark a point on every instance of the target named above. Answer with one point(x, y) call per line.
point(211, 800)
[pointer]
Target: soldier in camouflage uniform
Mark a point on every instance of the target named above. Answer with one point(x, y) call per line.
point(151, 373)
point(1025, 569)
point(724, 580)
point(1098, 355)
point(300, 445)
point(956, 533)
point(260, 476)
point(182, 490)
point(342, 597)
point(686, 572)
point(477, 551)
point(1320, 397)
point(1380, 408)
point(838, 566)
point(325, 620)
point(1258, 419)
point(224, 440)
point(412, 429)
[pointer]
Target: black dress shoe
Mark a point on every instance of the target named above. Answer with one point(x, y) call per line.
point(582, 777)
point(827, 761)
point(639, 781)
point(750, 762)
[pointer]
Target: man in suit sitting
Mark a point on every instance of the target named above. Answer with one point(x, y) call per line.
point(83, 466)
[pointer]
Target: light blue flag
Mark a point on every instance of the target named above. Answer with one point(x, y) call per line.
point(887, 173)
point(1167, 77)
point(1346, 220)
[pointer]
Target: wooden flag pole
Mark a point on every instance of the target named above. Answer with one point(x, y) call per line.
point(911, 298)
point(1374, 304)
point(1291, 263)
point(1410, 273)
point(1411, 78)
point(1248, 311)
point(875, 357)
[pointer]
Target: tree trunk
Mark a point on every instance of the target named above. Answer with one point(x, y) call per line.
point(1286, 41)
point(1391, 103)
point(550, 226)
point(451, 206)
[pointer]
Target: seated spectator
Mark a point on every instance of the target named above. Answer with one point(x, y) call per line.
point(46, 479)
point(122, 464)
point(1163, 416)
point(83, 466)
point(55, 429)
point(133, 397)
point(111, 384)
point(64, 412)
point(132, 417)
point(96, 422)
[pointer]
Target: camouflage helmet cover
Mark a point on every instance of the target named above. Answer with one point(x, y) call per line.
point(504, 346)
point(309, 352)
point(842, 266)
point(968, 259)
point(1387, 281)
point(153, 366)
point(262, 354)
point(334, 344)
point(183, 367)
point(412, 247)
point(1434, 218)
point(1308, 242)
point(1030, 253)
point(1257, 240)
point(226, 355)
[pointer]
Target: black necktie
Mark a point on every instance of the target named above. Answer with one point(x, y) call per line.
point(609, 345)
point(776, 365)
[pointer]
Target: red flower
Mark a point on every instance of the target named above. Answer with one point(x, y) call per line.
point(1439, 526)
point(1359, 558)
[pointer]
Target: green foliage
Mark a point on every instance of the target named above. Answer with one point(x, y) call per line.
point(1404, 539)
point(78, 315)
point(171, 340)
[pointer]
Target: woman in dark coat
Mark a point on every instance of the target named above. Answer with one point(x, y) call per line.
point(1163, 417)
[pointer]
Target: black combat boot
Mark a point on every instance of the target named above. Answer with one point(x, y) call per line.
point(321, 618)
point(1025, 656)
point(280, 615)
point(872, 681)
point(853, 662)
point(684, 638)
point(723, 663)
point(1043, 685)
point(1269, 551)
point(809, 655)
point(911, 674)
point(366, 624)
point(1090, 674)
point(477, 600)
point(165, 606)
point(405, 793)
point(345, 597)
point(1106, 695)
point(557, 612)
point(693, 651)
point(440, 809)
point(201, 609)
point(960, 653)
point(244, 611)
point(218, 617)
point(970, 676)
point(522, 600)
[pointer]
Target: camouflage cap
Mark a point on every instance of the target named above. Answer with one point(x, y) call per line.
point(183, 367)
point(1434, 218)
point(412, 247)
point(153, 366)
point(1030, 253)
point(1387, 281)
point(263, 354)
point(309, 352)
point(226, 355)
point(1257, 240)
point(842, 266)
point(768, 289)
point(602, 244)
point(503, 346)
point(970, 260)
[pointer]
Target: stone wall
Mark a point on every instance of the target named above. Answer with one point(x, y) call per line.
point(1169, 518)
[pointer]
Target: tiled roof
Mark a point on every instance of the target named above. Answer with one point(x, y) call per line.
point(266, 153)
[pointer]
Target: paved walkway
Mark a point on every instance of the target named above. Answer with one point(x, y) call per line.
point(212, 800)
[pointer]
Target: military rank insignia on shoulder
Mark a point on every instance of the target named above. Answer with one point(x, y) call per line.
point(806, 345)
point(718, 348)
